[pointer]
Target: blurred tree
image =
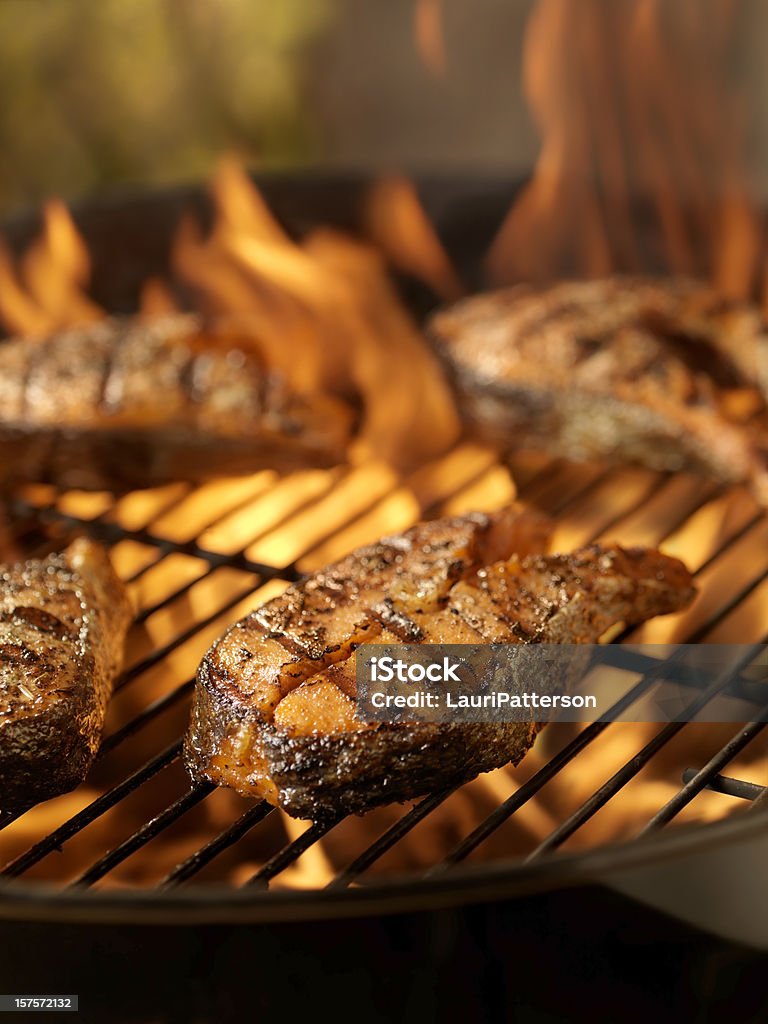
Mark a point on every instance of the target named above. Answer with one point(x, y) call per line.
point(103, 91)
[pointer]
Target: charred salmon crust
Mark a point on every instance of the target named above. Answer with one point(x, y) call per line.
point(625, 369)
point(80, 409)
point(320, 777)
point(62, 625)
point(274, 714)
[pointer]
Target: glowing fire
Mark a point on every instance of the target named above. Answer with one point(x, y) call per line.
point(331, 296)
point(429, 36)
point(48, 291)
point(400, 227)
point(327, 312)
point(324, 309)
point(633, 101)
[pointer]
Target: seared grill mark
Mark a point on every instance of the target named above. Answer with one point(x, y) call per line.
point(187, 378)
point(38, 619)
point(107, 403)
point(696, 351)
point(290, 646)
point(130, 403)
point(397, 622)
point(37, 353)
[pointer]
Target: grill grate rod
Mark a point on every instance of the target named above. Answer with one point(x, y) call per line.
point(731, 541)
point(149, 714)
point(726, 785)
point(548, 771)
point(146, 833)
point(696, 781)
point(202, 857)
point(522, 795)
point(760, 801)
point(513, 803)
point(56, 839)
point(389, 838)
point(504, 811)
point(174, 505)
point(161, 653)
point(752, 691)
point(581, 494)
point(632, 767)
point(698, 635)
point(291, 853)
point(113, 533)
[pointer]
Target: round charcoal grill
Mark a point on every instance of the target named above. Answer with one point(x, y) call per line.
point(654, 814)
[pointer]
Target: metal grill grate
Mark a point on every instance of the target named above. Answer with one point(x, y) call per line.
point(197, 558)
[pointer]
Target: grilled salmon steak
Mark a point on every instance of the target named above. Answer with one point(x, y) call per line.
point(131, 403)
point(63, 622)
point(274, 714)
point(628, 369)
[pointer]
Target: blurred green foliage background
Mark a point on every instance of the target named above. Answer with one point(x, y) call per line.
point(96, 92)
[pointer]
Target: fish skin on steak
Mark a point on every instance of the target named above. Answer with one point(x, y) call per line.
point(274, 713)
point(63, 622)
point(126, 403)
point(629, 369)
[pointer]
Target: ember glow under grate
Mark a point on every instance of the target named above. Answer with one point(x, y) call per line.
point(198, 558)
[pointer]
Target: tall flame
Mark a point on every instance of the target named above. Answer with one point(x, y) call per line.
point(48, 289)
point(399, 225)
point(633, 100)
point(326, 312)
point(429, 35)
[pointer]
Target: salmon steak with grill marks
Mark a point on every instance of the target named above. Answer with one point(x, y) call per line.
point(626, 369)
point(63, 622)
point(274, 714)
point(129, 403)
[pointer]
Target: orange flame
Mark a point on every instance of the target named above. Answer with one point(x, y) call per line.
point(323, 311)
point(326, 313)
point(429, 35)
point(48, 292)
point(633, 100)
point(157, 298)
point(19, 314)
point(400, 227)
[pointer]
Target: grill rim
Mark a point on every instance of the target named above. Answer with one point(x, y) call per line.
point(462, 886)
